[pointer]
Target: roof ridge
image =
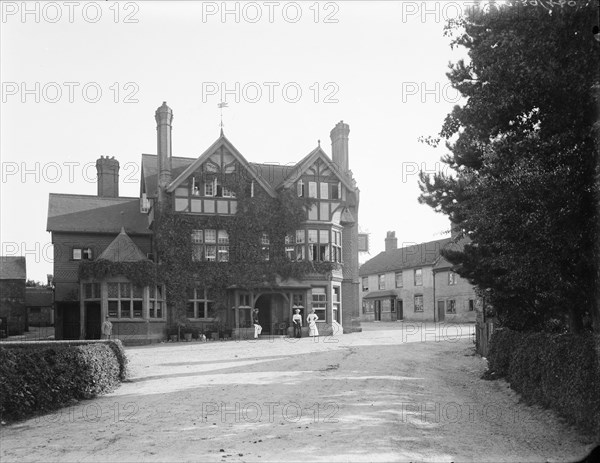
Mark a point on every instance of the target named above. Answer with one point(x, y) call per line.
point(74, 195)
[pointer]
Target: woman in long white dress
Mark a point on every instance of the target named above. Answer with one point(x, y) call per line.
point(312, 323)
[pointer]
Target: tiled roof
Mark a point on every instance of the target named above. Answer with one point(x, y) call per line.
point(12, 268)
point(94, 214)
point(417, 255)
point(122, 249)
point(38, 297)
point(150, 171)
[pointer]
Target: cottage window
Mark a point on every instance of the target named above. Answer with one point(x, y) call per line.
point(223, 248)
point(300, 187)
point(300, 248)
point(336, 246)
point(419, 277)
point(451, 306)
point(125, 300)
point(195, 187)
point(312, 189)
point(265, 246)
point(381, 280)
point(228, 193)
point(419, 303)
point(365, 283)
point(210, 245)
point(156, 302)
point(82, 254)
point(324, 246)
point(452, 278)
point(209, 188)
point(198, 306)
point(197, 245)
point(289, 247)
point(324, 190)
point(471, 305)
point(319, 302)
point(335, 191)
point(318, 245)
point(337, 303)
point(399, 282)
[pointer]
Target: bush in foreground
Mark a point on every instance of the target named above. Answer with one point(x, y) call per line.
point(40, 377)
point(557, 371)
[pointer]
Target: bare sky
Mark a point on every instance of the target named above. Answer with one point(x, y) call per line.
point(83, 79)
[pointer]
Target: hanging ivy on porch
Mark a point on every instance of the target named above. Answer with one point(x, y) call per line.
point(142, 273)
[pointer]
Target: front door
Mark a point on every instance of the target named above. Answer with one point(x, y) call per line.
point(400, 309)
point(93, 320)
point(68, 320)
point(441, 311)
point(377, 310)
point(263, 304)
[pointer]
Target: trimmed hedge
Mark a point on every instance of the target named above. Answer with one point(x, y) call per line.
point(37, 377)
point(557, 371)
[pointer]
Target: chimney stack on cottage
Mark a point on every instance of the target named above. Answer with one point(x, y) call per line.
point(391, 242)
point(108, 177)
point(339, 145)
point(164, 119)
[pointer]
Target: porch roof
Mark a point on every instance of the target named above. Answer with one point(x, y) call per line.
point(380, 294)
point(288, 283)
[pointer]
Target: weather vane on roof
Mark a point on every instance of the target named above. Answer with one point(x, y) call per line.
point(221, 105)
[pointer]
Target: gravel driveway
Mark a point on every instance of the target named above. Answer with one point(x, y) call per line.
point(395, 392)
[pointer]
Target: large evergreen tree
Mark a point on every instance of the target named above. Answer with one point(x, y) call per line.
point(524, 156)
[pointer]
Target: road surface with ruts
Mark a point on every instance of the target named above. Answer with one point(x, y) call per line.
point(395, 392)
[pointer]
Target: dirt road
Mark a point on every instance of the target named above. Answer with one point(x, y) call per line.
point(391, 393)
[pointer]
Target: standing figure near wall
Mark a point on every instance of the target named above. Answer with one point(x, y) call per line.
point(297, 320)
point(257, 327)
point(312, 323)
point(106, 328)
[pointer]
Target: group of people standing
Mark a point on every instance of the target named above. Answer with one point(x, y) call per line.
point(296, 320)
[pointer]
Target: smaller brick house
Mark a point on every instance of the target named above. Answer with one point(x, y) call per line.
point(415, 283)
point(13, 312)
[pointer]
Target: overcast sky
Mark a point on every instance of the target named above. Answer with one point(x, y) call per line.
point(83, 79)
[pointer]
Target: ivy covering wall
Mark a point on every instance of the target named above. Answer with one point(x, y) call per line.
point(247, 269)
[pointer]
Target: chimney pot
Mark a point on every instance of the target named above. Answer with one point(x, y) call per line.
point(391, 242)
point(164, 119)
point(339, 146)
point(108, 177)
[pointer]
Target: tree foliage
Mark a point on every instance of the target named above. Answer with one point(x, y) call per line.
point(524, 154)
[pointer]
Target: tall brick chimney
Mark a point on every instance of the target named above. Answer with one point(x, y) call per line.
point(164, 119)
point(339, 145)
point(391, 242)
point(108, 177)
